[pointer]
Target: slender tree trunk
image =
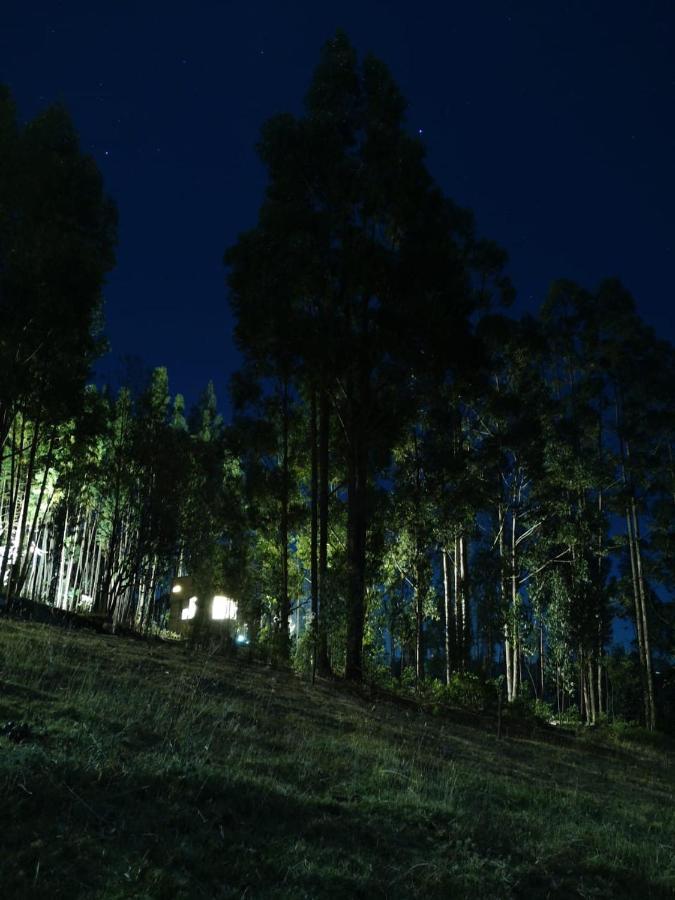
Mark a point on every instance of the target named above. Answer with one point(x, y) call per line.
point(356, 555)
point(55, 550)
point(600, 587)
point(515, 667)
point(649, 675)
point(508, 660)
point(419, 627)
point(457, 604)
point(285, 603)
point(17, 563)
point(541, 660)
point(640, 621)
point(62, 562)
point(67, 603)
point(14, 480)
point(35, 519)
point(464, 589)
point(449, 627)
point(639, 592)
point(83, 561)
point(7, 419)
point(583, 705)
point(314, 528)
point(323, 489)
point(591, 692)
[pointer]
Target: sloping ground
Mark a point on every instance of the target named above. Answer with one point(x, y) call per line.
point(136, 770)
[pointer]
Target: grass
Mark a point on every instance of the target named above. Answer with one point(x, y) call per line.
point(132, 769)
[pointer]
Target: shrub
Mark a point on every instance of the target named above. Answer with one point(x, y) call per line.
point(468, 691)
point(303, 652)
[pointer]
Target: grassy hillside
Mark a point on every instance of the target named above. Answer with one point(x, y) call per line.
point(136, 770)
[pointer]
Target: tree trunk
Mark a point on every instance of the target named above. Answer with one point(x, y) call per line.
point(17, 564)
point(649, 675)
point(515, 667)
point(356, 555)
point(323, 487)
point(508, 659)
point(285, 603)
point(419, 628)
point(591, 693)
point(28, 556)
point(449, 626)
point(464, 592)
point(14, 480)
point(541, 660)
point(314, 529)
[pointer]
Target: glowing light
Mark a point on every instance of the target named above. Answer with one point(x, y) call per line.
point(223, 608)
point(190, 610)
point(176, 589)
point(242, 639)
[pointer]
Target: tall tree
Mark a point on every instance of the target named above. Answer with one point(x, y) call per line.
point(354, 235)
point(57, 236)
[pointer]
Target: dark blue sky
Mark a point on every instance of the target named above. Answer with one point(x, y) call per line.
point(554, 122)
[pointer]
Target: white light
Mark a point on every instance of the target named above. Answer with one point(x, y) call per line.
point(176, 589)
point(223, 608)
point(190, 610)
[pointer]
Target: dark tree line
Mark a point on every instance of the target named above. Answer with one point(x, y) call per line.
point(464, 487)
point(414, 483)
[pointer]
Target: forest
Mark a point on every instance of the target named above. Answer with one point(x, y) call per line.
point(417, 489)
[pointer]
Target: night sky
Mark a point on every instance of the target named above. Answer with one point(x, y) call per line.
point(553, 121)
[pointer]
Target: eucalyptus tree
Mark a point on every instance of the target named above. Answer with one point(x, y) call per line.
point(410, 536)
point(64, 545)
point(579, 478)
point(616, 402)
point(630, 357)
point(357, 262)
point(455, 477)
point(510, 416)
point(160, 461)
point(449, 388)
point(117, 482)
point(57, 236)
point(269, 432)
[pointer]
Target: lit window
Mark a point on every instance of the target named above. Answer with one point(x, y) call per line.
point(223, 608)
point(190, 610)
